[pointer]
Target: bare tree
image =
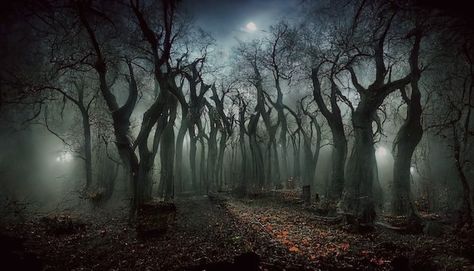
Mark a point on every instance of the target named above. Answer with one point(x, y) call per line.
point(310, 152)
point(358, 198)
point(455, 98)
point(408, 137)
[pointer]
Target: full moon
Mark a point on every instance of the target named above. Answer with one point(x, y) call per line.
point(251, 26)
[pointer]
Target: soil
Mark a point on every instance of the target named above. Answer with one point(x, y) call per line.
point(224, 233)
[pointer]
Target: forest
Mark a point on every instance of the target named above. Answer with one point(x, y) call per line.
point(236, 135)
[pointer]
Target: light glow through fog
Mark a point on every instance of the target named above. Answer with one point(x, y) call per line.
point(64, 157)
point(381, 151)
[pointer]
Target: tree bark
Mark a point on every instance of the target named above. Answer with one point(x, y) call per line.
point(407, 139)
point(334, 119)
point(167, 162)
point(243, 152)
point(86, 126)
point(203, 180)
point(358, 198)
point(183, 128)
point(220, 160)
point(466, 206)
point(212, 152)
point(192, 161)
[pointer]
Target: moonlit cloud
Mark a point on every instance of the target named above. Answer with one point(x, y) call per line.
point(251, 27)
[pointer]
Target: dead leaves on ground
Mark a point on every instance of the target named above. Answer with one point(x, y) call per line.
point(291, 229)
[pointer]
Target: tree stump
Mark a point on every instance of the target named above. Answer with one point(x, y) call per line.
point(153, 218)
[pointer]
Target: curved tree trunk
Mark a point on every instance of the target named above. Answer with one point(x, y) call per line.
point(407, 139)
point(466, 206)
point(297, 150)
point(220, 159)
point(296, 170)
point(212, 158)
point(309, 166)
point(243, 152)
point(167, 152)
point(334, 119)
point(358, 199)
point(338, 162)
point(203, 180)
point(87, 147)
point(179, 153)
point(270, 163)
point(284, 155)
point(311, 159)
point(192, 161)
point(257, 158)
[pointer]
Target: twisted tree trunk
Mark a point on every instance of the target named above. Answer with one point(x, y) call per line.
point(86, 125)
point(407, 139)
point(183, 128)
point(334, 119)
point(358, 198)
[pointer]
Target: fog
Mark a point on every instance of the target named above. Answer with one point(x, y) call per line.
point(355, 113)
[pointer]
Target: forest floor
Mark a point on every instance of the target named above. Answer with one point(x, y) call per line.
point(210, 230)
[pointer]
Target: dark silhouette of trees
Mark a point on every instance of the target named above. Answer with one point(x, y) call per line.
point(408, 137)
point(358, 198)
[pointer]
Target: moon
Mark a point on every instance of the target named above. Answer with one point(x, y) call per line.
point(251, 27)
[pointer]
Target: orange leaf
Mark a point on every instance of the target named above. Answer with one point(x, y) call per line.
point(284, 232)
point(345, 246)
point(294, 249)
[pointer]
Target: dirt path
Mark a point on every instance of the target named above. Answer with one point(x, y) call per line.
point(208, 231)
point(312, 244)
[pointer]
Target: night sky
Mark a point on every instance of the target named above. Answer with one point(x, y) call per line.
point(226, 20)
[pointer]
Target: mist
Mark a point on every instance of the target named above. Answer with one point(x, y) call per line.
point(236, 135)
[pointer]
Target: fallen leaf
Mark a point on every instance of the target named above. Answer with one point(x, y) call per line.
point(294, 249)
point(345, 246)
